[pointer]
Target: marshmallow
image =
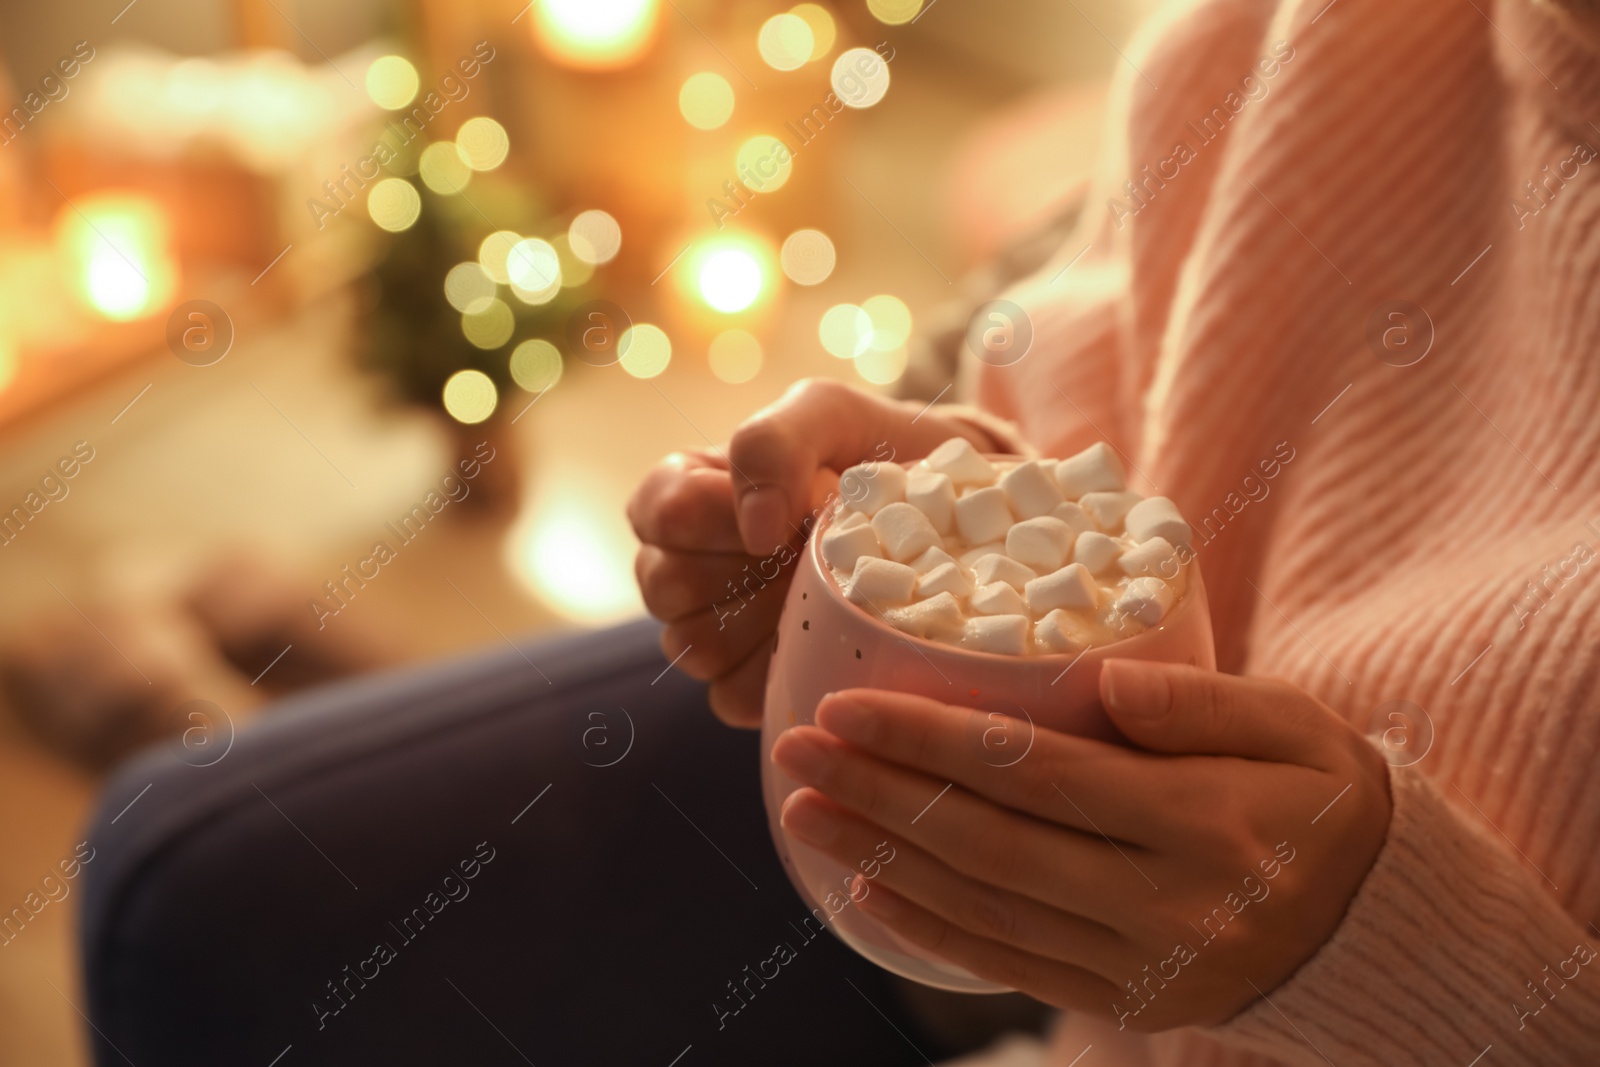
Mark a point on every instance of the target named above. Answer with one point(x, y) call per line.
point(931, 559)
point(939, 616)
point(1069, 587)
point(904, 532)
point(842, 545)
point(1043, 543)
point(998, 598)
point(958, 459)
point(1095, 469)
point(1107, 509)
point(996, 567)
point(1005, 634)
point(1073, 515)
point(1157, 516)
point(1154, 557)
point(972, 555)
point(1031, 489)
point(870, 486)
point(1096, 551)
point(1063, 631)
point(945, 578)
point(934, 494)
point(852, 518)
point(1145, 599)
point(878, 584)
point(983, 515)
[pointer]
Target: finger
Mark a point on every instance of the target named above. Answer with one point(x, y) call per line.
point(984, 910)
point(1050, 863)
point(686, 502)
point(1062, 985)
point(713, 642)
point(737, 697)
point(1009, 761)
point(675, 584)
point(1176, 708)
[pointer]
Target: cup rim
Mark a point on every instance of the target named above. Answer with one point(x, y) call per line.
point(814, 554)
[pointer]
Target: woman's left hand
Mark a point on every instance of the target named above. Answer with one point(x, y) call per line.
point(1163, 886)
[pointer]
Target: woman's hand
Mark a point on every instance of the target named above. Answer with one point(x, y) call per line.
point(1166, 887)
point(716, 525)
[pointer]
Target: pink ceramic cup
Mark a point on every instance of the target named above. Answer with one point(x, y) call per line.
point(825, 643)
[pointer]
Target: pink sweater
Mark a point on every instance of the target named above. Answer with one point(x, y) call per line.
point(1429, 532)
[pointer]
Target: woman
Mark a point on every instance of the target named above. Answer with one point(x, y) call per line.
point(1352, 244)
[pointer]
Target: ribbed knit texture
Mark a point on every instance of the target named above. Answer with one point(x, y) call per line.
point(1390, 556)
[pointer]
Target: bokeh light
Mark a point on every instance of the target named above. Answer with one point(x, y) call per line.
point(574, 271)
point(392, 82)
point(706, 100)
point(490, 326)
point(764, 163)
point(735, 356)
point(894, 12)
point(891, 321)
point(730, 279)
point(595, 237)
point(483, 142)
point(444, 169)
point(470, 396)
point(536, 365)
point(118, 246)
point(596, 34)
point(646, 350)
point(468, 287)
point(534, 265)
point(860, 77)
point(882, 367)
point(576, 554)
point(786, 42)
point(808, 257)
point(823, 30)
point(845, 331)
point(394, 204)
point(493, 251)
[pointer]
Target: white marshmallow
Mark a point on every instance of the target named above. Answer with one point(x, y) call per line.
point(996, 567)
point(1031, 489)
point(1005, 634)
point(998, 598)
point(939, 616)
point(1063, 631)
point(1095, 469)
point(1145, 599)
point(931, 559)
point(935, 496)
point(1153, 557)
point(1157, 516)
point(958, 459)
point(879, 584)
point(1043, 543)
point(1073, 515)
point(1069, 587)
point(971, 556)
point(850, 519)
point(945, 578)
point(983, 515)
point(1107, 509)
point(1096, 551)
point(904, 532)
point(869, 487)
point(842, 546)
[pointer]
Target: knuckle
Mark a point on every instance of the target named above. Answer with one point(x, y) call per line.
point(988, 914)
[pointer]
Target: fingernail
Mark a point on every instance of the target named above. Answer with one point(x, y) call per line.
point(847, 719)
point(761, 519)
point(809, 821)
point(802, 757)
point(1135, 690)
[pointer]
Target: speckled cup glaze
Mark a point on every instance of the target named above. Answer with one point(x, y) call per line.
point(825, 643)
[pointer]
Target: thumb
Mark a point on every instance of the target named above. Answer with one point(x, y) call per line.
point(1176, 708)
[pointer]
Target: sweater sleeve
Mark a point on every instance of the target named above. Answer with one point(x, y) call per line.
point(1452, 946)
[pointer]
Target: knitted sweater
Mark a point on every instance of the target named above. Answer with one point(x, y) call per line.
point(1362, 255)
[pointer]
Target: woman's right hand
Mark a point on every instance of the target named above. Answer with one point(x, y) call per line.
point(719, 529)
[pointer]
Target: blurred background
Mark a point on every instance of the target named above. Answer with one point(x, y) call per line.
point(335, 333)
